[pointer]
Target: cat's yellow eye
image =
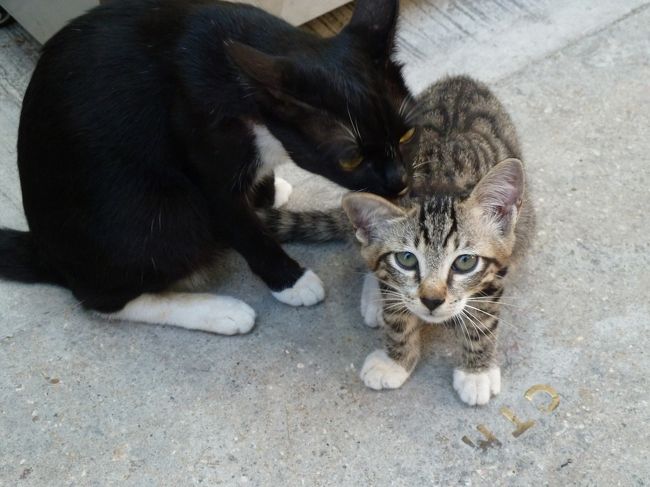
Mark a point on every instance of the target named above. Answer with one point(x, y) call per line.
point(408, 135)
point(406, 260)
point(351, 164)
point(465, 263)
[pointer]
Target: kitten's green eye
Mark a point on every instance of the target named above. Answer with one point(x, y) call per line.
point(406, 260)
point(408, 135)
point(465, 263)
point(351, 164)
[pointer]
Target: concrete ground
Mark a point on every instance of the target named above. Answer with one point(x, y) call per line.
point(85, 402)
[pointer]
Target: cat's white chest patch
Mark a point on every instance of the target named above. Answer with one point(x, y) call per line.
point(270, 150)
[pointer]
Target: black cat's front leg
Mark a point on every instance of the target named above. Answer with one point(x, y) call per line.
point(389, 368)
point(289, 282)
point(478, 377)
point(225, 182)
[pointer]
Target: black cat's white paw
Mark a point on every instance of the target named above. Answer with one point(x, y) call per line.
point(379, 371)
point(371, 302)
point(194, 311)
point(476, 388)
point(307, 291)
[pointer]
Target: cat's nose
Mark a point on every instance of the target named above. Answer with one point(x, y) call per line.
point(431, 303)
point(397, 180)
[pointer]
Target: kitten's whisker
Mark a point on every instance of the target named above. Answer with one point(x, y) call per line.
point(493, 298)
point(393, 307)
point(481, 328)
point(481, 301)
point(461, 326)
point(391, 296)
point(501, 320)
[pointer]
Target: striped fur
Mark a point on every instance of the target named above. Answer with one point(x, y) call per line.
point(305, 226)
point(468, 197)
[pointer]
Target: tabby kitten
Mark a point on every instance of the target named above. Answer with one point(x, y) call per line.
point(441, 256)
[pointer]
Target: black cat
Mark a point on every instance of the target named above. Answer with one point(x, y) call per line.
point(148, 136)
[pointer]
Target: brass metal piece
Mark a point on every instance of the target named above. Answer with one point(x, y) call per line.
point(545, 388)
point(491, 441)
point(522, 426)
point(467, 441)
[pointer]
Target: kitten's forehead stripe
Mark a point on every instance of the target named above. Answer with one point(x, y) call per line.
point(452, 229)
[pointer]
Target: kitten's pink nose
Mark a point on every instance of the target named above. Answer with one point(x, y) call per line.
point(431, 303)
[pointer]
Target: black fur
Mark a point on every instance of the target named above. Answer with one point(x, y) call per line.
point(135, 149)
point(20, 259)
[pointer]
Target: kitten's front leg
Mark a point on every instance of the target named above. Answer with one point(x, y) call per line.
point(389, 369)
point(479, 376)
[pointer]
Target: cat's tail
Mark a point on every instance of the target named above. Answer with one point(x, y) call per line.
point(306, 226)
point(19, 260)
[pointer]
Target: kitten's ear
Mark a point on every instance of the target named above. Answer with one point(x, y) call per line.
point(263, 68)
point(367, 212)
point(374, 22)
point(500, 193)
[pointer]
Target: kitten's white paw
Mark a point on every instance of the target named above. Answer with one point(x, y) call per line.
point(477, 388)
point(306, 291)
point(371, 304)
point(283, 190)
point(379, 371)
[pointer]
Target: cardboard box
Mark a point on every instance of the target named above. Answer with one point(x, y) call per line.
point(43, 18)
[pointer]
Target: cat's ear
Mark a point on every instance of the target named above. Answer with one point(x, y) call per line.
point(499, 195)
point(263, 68)
point(276, 76)
point(367, 212)
point(374, 22)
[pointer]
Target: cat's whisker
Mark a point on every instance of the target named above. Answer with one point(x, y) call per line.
point(460, 323)
point(349, 133)
point(501, 320)
point(480, 328)
point(393, 307)
point(424, 163)
point(355, 127)
point(402, 105)
point(468, 339)
point(493, 298)
point(481, 301)
point(456, 322)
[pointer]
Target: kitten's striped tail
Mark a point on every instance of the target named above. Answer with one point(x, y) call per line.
point(306, 226)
